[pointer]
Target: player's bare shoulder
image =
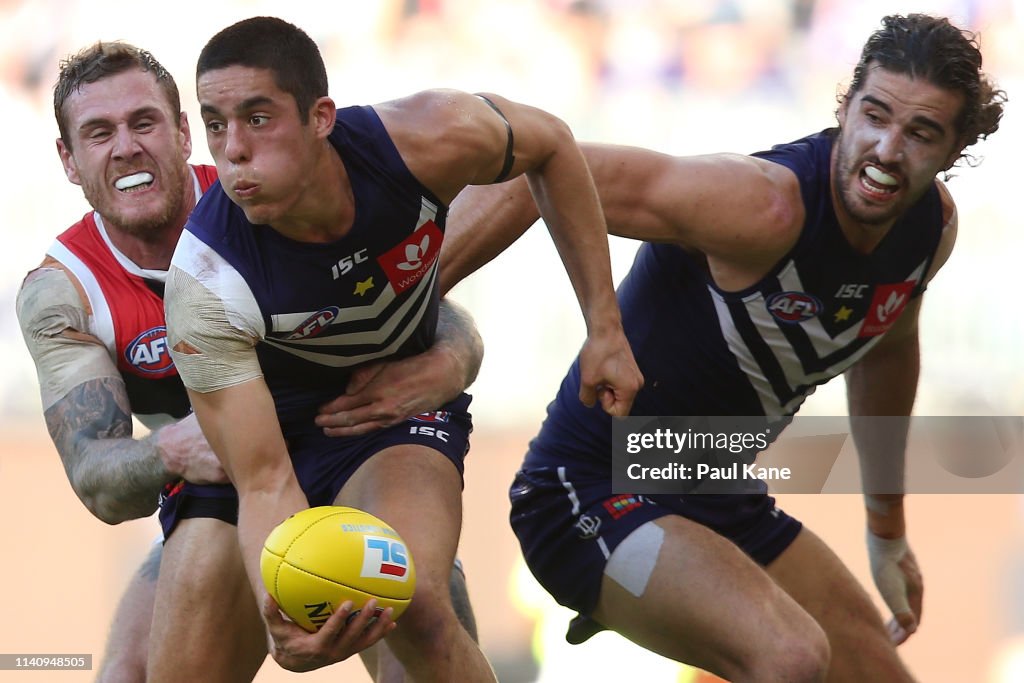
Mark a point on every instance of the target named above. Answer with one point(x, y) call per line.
point(431, 116)
point(447, 138)
point(752, 209)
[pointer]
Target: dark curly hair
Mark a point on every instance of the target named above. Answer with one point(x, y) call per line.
point(931, 48)
point(98, 61)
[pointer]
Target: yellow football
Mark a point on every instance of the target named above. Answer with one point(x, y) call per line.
point(318, 558)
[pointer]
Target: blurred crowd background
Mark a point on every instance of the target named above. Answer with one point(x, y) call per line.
point(681, 76)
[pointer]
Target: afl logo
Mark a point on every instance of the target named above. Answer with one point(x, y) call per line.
point(792, 307)
point(148, 352)
point(316, 323)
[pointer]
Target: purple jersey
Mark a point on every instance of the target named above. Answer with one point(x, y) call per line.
point(327, 308)
point(763, 350)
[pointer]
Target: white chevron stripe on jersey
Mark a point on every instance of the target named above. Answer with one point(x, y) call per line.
point(286, 322)
point(420, 298)
point(742, 354)
point(386, 295)
point(823, 343)
point(775, 340)
point(428, 212)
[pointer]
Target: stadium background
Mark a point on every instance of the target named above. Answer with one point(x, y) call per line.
point(680, 76)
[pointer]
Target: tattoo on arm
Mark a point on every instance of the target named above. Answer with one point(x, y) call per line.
point(92, 410)
point(117, 477)
point(455, 329)
point(150, 568)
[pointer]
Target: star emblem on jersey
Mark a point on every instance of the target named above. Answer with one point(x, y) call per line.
point(363, 287)
point(843, 314)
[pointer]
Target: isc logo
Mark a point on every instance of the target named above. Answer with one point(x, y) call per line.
point(385, 558)
point(427, 430)
point(792, 307)
point(853, 291)
point(148, 352)
point(348, 263)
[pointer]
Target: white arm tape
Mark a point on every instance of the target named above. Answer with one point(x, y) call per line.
point(885, 555)
point(209, 352)
point(49, 307)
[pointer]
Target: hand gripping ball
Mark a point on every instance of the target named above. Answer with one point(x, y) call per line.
point(318, 558)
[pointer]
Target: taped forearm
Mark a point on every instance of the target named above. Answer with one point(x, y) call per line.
point(55, 326)
point(881, 446)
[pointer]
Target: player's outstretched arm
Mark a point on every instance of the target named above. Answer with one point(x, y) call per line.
point(884, 383)
point(216, 358)
point(880, 389)
point(386, 393)
point(217, 361)
point(241, 424)
point(86, 408)
point(734, 208)
point(564, 191)
point(451, 139)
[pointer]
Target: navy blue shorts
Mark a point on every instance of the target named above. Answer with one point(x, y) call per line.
point(568, 523)
point(323, 464)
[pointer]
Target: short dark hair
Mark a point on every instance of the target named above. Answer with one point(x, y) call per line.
point(273, 44)
point(931, 48)
point(99, 61)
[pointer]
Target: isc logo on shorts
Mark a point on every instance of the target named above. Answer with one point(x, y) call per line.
point(428, 430)
point(385, 558)
point(148, 352)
